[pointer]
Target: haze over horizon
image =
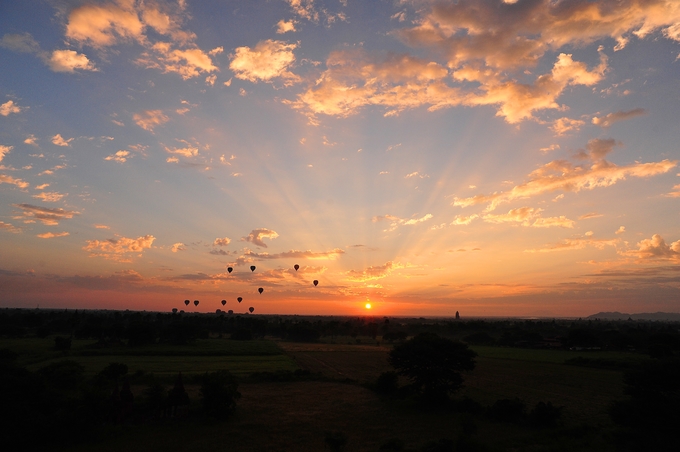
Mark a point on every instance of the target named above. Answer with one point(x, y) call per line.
point(497, 158)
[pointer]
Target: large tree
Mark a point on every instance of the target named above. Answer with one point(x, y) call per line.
point(432, 364)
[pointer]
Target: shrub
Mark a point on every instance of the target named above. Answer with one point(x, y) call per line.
point(508, 410)
point(219, 392)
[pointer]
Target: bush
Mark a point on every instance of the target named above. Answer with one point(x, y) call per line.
point(387, 383)
point(545, 415)
point(508, 410)
point(62, 343)
point(219, 392)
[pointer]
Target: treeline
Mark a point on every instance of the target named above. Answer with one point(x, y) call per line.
point(66, 407)
point(142, 328)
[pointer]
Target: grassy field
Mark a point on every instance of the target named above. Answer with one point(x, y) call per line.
point(295, 415)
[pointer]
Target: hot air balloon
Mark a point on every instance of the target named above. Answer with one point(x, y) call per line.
point(196, 302)
point(229, 269)
point(251, 309)
point(239, 299)
point(186, 302)
point(224, 302)
point(260, 290)
point(296, 266)
point(316, 283)
point(252, 268)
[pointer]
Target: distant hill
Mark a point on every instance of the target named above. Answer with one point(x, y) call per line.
point(668, 316)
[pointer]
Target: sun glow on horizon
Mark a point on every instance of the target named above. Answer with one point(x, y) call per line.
point(368, 305)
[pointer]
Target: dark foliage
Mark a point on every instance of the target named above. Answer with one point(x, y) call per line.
point(545, 415)
point(242, 334)
point(62, 343)
point(649, 419)
point(387, 383)
point(302, 333)
point(432, 364)
point(508, 410)
point(336, 441)
point(219, 392)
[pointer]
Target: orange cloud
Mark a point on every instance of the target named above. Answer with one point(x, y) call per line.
point(267, 61)
point(374, 272)
point(104, 25)
point(564, 176)
point(149, 119)
point(5, 179)
point(48, 216)
point(58, 140)
point(9, 228)
point(656, 248)
point(179, 246)
point(256, 235)
point(575, 244)
point(120, 156)
point(9, 107)
point(611, 118)
point(187, 63)
point(395, 222)
point(69, 61)
point(50, 196)
point(116, 249)
point(295, 254)
point(222, 241)
point(50, 235)
point(4, 150)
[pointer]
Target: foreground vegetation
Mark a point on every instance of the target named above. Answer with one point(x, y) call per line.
point(295, 383)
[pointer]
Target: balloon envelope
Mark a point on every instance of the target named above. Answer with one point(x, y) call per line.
point(260, 290)
point(229, 269)
point(296, 266)
point(252, 268)
point(316, 282)
point(239, 299)
point(196, 302)
point(186, 302)
point(251, 309)
point(224, 302)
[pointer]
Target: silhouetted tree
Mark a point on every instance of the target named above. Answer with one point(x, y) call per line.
point(432, 364)
point(219, 392)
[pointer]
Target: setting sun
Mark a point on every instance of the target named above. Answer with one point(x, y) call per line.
point(368, 305)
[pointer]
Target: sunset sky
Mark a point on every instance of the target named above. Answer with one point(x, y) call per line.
point(491, 157)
